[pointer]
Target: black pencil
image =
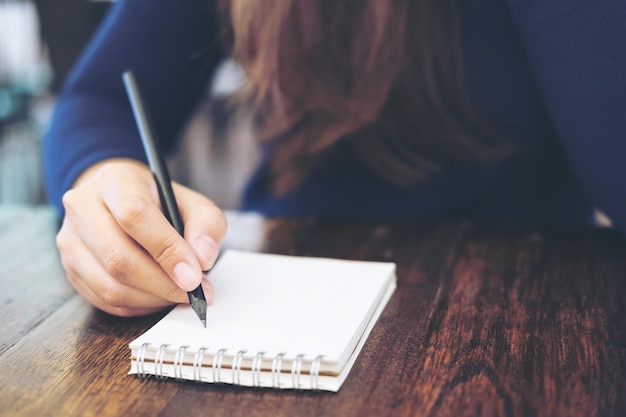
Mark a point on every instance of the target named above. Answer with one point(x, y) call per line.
point(162, 178)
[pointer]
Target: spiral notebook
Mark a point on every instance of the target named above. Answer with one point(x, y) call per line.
point(277, 321)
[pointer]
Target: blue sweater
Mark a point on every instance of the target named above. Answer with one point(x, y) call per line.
point(551, 75)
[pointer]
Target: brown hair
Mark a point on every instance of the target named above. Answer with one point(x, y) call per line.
point(384, 77)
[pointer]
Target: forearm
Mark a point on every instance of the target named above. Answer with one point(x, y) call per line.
point(93, 122)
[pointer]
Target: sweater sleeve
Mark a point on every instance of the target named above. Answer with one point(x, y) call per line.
point(577, 49)
point(173, 48)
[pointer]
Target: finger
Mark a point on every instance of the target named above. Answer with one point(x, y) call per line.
point(138, 215)
point(205, 225)
point(209, 292)
point(117, 294)
point(109, 295)
point(88, 294)
point(109, 246)
point(86, 270)
point(120, 257)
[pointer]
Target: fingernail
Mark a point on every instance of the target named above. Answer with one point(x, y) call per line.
point(208, 249)
point(186, 276)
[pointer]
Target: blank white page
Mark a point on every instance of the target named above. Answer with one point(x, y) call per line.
point(281, 304)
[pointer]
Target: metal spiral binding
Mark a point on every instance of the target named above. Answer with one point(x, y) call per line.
point(256, 369)
point(178, 362)
point(218, 360)
point(296, 369)
point(158, 361)
point(315, 372)
point(197, 364)
point(236, 367)
point(277, 364)
point(141, 357)
point(217, 365)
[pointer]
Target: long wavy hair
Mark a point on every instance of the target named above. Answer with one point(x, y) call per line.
point(383, 78)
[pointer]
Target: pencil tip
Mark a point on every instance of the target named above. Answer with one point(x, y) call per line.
point(198, 304)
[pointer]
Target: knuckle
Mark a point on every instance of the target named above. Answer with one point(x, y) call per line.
point(132, 210)
point(63, 241)
point(166, 254)
point(114, 296)
point(117, 265)
point(70, 201)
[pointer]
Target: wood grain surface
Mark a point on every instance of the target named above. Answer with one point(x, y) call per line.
point(485, 322)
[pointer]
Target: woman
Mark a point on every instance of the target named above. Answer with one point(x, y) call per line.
point(500, 111)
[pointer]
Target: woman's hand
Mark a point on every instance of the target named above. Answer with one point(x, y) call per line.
point(119, 250)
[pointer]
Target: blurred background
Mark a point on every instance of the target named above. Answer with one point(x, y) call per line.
point(39, 42)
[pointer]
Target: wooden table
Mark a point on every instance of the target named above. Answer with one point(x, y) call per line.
point(484, 322)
